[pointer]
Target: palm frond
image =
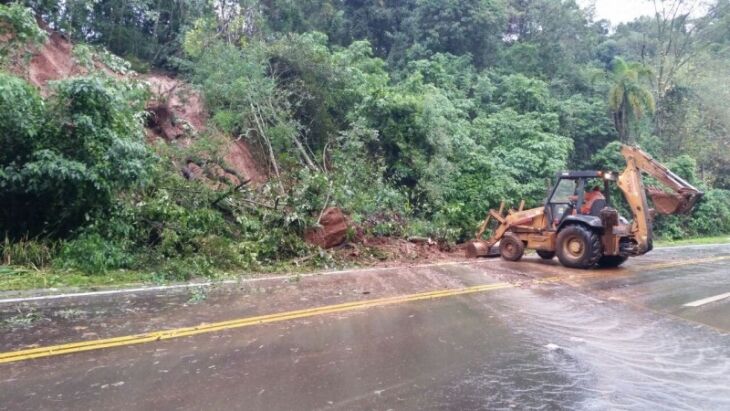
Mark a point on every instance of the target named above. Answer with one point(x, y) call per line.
point(616, 96)
point(648, 101)
point(636, 105)
point(640, 100)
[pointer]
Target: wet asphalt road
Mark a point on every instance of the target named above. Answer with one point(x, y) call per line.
point(557, 339)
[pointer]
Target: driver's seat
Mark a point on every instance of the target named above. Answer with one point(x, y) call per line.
point(597, 206)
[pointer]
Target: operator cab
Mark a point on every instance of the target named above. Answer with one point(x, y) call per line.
point(577, 193)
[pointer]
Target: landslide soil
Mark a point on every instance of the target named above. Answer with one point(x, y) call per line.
point(177, 110)
point(178, 115)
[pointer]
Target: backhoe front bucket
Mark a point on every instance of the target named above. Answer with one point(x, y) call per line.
point(669, 203)
point(481, 248)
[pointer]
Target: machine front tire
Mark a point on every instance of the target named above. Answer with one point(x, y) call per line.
point(546, 255)
point(611, 261)
point(511, 248)
point(578, 247)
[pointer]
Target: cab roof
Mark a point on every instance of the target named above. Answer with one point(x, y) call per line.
point(584, 174)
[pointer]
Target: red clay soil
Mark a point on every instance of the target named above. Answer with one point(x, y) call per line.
point(389, 251)
point(177, 110)
point(162, 124)
point(53, 61)
point(381, 251)
point(193, 171)
point(239, 158)
point(177, 102)
point(332, 231)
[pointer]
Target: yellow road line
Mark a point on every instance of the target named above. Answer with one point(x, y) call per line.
point(76, 347)
point(81, 346)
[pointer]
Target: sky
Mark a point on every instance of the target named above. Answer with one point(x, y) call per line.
point(620, 11)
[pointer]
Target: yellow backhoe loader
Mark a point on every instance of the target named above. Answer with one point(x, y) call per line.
point(578, 223)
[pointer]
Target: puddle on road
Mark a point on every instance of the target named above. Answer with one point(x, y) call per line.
point(591, 355)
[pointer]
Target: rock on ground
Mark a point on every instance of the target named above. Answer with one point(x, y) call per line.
point(332, 231)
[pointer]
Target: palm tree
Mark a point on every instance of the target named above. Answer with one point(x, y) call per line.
point(628, 98)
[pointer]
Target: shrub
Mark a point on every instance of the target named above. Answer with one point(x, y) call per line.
point(712, 215)
point(93, 254)
point(65, 161)
point(20, 123)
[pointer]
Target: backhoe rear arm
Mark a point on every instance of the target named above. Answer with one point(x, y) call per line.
point(630, 182)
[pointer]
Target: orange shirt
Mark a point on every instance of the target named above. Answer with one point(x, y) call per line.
point(589, 198)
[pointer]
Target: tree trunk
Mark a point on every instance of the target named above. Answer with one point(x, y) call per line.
point(272, 157)
point(628, 136)
point(620, 123)
point(303, 152)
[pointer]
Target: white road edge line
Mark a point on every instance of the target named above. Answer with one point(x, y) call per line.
point(252, 280)
point(707, 300)
point(223, 282)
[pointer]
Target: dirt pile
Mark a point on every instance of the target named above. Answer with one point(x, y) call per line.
point(387, 251)
point(332, 231)
point(363, 249)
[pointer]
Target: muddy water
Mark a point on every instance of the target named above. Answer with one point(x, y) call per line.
point(589, 354)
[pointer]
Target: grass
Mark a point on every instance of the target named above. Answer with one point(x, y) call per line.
point(14, 278)
point(18, 278)
point(693, 241)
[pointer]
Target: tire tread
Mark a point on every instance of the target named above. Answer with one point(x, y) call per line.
point(594, 244)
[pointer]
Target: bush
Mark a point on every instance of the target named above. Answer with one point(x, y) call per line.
point(20, 123)
point(93, 254)
point(670, 227)
point(712, 215)
point(439, 230)
point(64, 162)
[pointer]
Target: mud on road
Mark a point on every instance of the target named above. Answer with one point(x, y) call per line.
point(552, 338)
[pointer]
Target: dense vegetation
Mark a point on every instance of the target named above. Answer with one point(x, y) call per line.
point(414, 116)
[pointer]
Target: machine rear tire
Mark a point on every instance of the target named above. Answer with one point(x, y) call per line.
point(611, 261)
point(578, 247)
point(546, 255)
point(511, 248)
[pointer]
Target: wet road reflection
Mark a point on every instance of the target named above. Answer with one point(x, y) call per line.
point(613, 356)
point(619, 339)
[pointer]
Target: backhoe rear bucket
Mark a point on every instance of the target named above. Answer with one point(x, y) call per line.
point(669, 203)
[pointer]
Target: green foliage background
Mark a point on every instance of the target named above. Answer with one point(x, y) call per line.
point(414, 116)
